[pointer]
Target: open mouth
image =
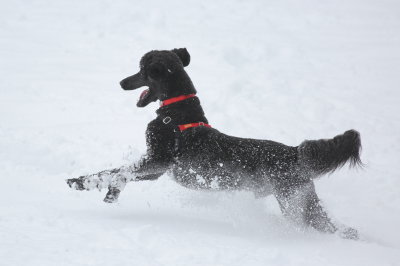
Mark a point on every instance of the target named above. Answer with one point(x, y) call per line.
point(145, 98)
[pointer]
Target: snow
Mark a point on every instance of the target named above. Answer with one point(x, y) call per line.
point(281, 70)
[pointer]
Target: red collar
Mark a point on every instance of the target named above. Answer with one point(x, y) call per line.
point(186, 126)
point(176, 99)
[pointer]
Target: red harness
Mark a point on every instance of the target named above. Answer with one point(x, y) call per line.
point(186, 126)
point(178, 99)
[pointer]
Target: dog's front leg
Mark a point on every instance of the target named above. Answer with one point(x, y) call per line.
point(114, 191)
point(146, 169)
point(113, 178)
point(116, 179)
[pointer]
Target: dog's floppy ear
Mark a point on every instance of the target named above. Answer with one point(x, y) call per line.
point(157, 71)
point(183, 54)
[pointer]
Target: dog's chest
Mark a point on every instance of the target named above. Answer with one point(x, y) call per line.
point(160, 140)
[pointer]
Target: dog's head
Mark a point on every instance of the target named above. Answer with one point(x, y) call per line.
point(162, 72)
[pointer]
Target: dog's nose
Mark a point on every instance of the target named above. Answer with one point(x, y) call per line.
point(124, 84)
point(121, 83)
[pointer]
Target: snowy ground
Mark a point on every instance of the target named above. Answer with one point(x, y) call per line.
point(280, 70)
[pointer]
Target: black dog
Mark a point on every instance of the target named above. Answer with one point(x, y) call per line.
point(180, 141)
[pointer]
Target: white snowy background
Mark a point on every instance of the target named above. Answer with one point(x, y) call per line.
point(281, 70)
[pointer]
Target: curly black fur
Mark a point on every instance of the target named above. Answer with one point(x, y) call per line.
point(327, 155)
point(204, 158)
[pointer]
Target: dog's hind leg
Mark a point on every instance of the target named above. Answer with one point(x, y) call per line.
point(302, 205)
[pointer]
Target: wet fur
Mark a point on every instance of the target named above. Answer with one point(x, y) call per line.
point(204, 158)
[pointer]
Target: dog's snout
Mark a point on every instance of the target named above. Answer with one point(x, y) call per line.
point(133, 82)
point(122, 83)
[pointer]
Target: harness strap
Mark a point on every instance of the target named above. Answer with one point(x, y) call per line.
point(186, 126)
point(176, 99)
point(179, 129)
point(166, 120)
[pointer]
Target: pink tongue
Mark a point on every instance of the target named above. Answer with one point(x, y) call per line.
point(143, 94)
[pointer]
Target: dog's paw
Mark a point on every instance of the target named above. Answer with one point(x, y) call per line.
point(112, 195)
point(349, 233)
point(76, 183)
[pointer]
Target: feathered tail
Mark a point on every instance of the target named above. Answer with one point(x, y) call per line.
point(327, 155)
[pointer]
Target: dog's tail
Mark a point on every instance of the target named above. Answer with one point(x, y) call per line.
point(327, 155)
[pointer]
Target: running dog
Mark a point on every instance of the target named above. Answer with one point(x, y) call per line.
point(181, 142)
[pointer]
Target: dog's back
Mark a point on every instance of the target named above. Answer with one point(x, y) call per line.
point(252, 163)
point(236, 162)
